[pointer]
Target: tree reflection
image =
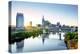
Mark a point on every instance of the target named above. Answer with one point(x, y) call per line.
point(19, 46)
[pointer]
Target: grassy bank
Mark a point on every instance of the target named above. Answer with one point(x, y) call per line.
point(71, 40)
point(16, 37)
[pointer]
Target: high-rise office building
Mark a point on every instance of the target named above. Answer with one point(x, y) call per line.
point(30, 23)
point(19, 21)
point(43, 21)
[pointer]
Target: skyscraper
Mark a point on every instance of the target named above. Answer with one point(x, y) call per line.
point(43, 21)
point(19, 21)
point(30, 23)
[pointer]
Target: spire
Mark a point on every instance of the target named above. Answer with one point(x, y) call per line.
point(43, 21)
point(43, 18)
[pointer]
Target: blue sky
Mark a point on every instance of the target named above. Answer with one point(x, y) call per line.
point(65, 14)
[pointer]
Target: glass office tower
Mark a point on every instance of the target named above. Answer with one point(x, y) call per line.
point(19, 21)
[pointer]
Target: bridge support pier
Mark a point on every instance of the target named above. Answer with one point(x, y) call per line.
point(59, 36)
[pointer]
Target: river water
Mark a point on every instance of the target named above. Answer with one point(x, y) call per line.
point(44, 42)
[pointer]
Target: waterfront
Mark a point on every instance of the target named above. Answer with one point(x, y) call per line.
point(45, 42)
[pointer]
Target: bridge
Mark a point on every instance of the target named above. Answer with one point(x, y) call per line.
point(57, 30)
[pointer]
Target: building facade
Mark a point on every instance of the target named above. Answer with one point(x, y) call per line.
point(19, 21)
point(57, 27)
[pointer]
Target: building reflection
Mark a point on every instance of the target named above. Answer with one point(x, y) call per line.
point(43, 39)
point(44, 36)
point(19, 46)
point(10, 49)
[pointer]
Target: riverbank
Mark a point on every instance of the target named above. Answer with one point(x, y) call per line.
point(18, 36)
point(71, 40)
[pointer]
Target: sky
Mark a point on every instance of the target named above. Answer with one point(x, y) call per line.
point(63, 13)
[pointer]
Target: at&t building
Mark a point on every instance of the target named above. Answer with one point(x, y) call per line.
point(19, 21)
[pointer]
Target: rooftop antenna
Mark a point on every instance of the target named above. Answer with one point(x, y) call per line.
point(20, 10)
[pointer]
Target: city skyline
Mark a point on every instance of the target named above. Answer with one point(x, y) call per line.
point(65, 14)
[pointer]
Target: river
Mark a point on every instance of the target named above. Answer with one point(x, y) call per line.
point(44, 42)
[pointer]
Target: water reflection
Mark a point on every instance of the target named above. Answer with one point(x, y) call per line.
point(19, 46)
point(44, 36)
point(10, 48)
point(44, 42)
point(43, 39)
point(59, 36)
